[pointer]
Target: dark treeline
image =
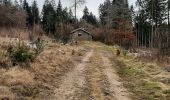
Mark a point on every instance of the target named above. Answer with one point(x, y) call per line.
point(55, 20)
point(151, 15)
point(152, 23)
point(114, 25)
point(147, 24)
point(89, 17)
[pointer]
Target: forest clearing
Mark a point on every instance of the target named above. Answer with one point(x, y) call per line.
point(92, 72)
point(85, 50)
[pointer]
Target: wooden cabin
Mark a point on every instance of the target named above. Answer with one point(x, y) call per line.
point(81, 34)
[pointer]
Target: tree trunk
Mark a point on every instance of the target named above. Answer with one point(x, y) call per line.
point(75, 12)
point(168, 18)
point(168, 14)
point(152, 27)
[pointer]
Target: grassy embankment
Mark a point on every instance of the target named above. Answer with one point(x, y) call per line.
point(146, 81)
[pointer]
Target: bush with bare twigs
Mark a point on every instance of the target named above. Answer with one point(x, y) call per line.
point(10, 16)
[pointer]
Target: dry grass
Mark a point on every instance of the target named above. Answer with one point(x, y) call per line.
point(38, 81)
point(97, 81)
point(148, 55)
point(17, 76)
point(94, 76)
point(14, 33)
point(147, 81)
point(5, 92)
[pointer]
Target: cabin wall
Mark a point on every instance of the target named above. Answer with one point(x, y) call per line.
point(81, 36)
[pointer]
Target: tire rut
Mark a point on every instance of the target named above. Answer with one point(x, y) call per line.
point(116, 87)
point(97, 83)
point(73, 82)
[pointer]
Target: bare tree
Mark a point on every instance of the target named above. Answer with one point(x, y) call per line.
point(169, 14)
point(76, 4)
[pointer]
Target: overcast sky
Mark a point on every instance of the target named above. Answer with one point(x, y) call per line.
point(92, 5)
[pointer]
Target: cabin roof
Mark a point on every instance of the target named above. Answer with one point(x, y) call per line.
point(81, 29)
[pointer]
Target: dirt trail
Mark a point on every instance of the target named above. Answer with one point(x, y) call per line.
point(116, 87)
point(93, 79)
point(73, 81)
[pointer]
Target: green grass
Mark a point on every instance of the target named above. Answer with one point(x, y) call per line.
point(134, 76)
point(151, 86)
point(128, 71)
point(2, 55)
point(134, 79)
point(151, 91)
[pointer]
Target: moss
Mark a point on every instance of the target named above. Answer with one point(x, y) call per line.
point(151, 86)
point(128, 71)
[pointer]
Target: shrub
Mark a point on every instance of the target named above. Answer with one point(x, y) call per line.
point(20, 55)
point(3, 60)
point(25, 54)
point(39, 46)
point(25, 91)
point(10, 16)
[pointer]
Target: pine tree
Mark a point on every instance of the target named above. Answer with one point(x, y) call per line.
point(71, 17)
point(48, 18)
point(85, 14)
point(59, 12)
point(151, 15)
point(89, 17)
point(27, 8)
point(155, 10)
point(119, 10)
point(44, 17)
point(110, 13)
point(142, 24)
point(65, 15)
point(104, 12)
point(35, 13)
point(92, 19)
